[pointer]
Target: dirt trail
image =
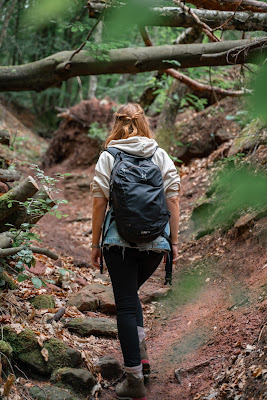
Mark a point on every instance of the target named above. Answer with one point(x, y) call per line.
point(216, 306)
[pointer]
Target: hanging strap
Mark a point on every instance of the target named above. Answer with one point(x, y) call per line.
point(169, 262)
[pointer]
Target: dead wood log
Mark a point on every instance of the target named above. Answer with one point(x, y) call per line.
point(176, 17)
point(44, 203)
point(4, 137)
point(37, 250)
point(231, 5)
point(7, 175)
point(4, 276)
point(56, 68)
point(5, 241)
point(10, 201)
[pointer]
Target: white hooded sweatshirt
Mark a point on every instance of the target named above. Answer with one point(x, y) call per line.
point(139, 146)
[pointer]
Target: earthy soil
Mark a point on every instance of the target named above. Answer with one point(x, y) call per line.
point(215, 308)
point(208, 323)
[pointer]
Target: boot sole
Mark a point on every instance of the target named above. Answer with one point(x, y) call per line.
point(131, 398)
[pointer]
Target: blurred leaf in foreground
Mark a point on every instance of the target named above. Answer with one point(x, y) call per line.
point(120, 20)
point(40, 12)
point(258, 99)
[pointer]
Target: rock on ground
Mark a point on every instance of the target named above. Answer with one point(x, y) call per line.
point(109, 367)
point(92, 326)
point(94, 297)
point(79, 379)
point(50, 393)
point(27, 350)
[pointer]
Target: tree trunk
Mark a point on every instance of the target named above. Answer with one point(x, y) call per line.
point(93, 80)
point(165, 128)
point(53, 70)
point(4, 137)
point(175, 16)
point(20, 193)
point(7, 175)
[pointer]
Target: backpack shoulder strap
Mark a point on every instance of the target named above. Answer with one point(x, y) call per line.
point(114, 151)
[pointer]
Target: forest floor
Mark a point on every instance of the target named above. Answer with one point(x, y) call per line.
point(207, 332)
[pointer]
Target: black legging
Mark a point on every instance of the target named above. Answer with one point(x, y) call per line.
point(129, 269)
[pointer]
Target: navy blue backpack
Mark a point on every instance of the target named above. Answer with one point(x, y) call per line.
point(137, 198)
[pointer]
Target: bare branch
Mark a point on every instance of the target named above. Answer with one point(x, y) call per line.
point(38, 250)
point(200, 87)
point(196, 86)
point(205, 28)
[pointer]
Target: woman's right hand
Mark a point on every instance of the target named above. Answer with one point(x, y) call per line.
point(95, 257)
point(175, 252)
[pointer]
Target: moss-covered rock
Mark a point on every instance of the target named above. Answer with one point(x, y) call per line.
point(92, 326)
point(51, 393)
point(5, 348)
point(252, 135)
point(27, 351)
point(43, 301)
point(80, 380)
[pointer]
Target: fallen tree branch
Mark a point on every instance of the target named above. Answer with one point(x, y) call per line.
point(7, 175)
point(5, 241)
point(185, 17)
point(230, 5)
point(200, 87)
point(51, 71)
point(10, 201)
point(38, 250)
point(194, 85)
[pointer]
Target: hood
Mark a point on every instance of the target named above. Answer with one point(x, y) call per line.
point(137, 145)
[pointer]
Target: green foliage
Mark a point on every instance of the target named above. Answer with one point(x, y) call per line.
point(237, 188)
point(39, 12)
point(192, 101)
point(97, 132)
point(258, 100)
point(23, 236)
point(241, 117)
point(121, 20)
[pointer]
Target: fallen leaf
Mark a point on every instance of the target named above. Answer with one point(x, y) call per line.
point(45, 354)
point(8, 385)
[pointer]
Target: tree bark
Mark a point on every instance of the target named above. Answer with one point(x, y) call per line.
point(5, 241)
point(20, 216)
point(231, 5)
point(166, 122)
point(39, 250)
point(7, 175)
point(4, 137)
point(20, 193)
point(56, 68)
point(93, 80)
point(175, 17)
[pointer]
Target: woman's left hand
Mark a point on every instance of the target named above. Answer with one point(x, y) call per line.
point(95, 257)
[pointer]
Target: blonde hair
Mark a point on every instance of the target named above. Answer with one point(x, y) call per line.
point(129, 120)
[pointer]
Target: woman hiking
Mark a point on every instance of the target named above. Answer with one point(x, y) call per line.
point(131, 262)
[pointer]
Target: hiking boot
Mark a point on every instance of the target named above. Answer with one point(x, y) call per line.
point(144, 358)
point(132, 388)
